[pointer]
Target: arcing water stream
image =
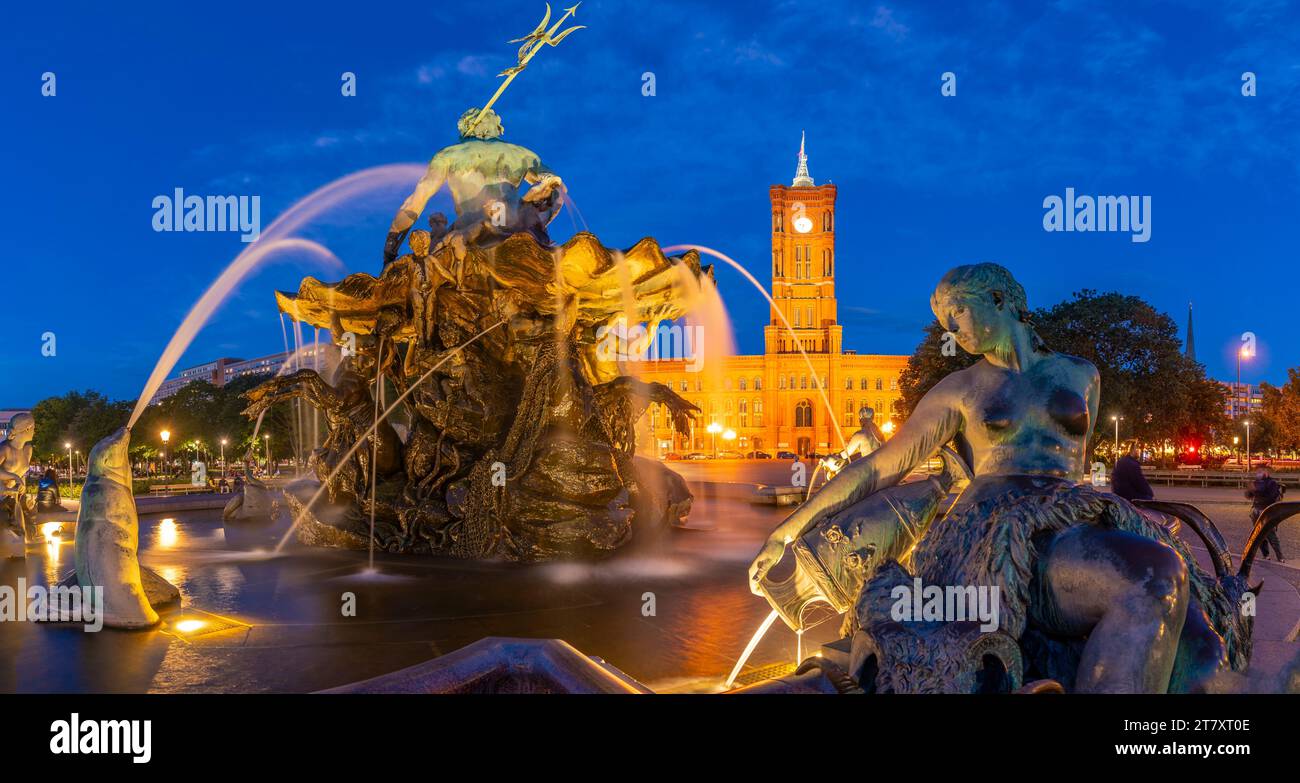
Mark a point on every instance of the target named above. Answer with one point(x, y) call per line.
point(274, 238)
point(830, 411)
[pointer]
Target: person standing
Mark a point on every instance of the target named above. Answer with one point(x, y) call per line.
point(1128, 481)
point(1264, 492)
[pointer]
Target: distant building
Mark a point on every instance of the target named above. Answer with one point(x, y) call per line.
point(222, 371)
point(1243, 400)
point(771, 402)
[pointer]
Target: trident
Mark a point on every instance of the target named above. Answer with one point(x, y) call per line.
point(532, 44)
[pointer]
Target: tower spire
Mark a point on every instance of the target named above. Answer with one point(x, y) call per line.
point(801, 177)
point(1190, 350)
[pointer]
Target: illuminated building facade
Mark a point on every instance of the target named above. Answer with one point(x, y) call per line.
point(772, 402)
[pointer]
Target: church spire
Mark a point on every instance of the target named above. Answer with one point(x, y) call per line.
point(801, 178)
point(1190, 351)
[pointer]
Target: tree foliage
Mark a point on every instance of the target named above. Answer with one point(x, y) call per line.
point(198, 416)
point(1279, 421)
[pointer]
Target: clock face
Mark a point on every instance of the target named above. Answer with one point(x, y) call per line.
point(803, 224)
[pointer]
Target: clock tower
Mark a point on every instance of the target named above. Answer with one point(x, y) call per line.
point(803, 266)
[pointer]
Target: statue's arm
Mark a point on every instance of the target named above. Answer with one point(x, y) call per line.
point(9, 478)
point(411, 208)
point(936, 420)
point(543, 180)
point(1094, 403)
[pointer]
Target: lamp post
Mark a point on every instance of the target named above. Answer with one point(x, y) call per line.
point(166, 436)
point(267, 440)
point(713, 429)
point(1236, 448)
point(729, 436)
point(68, 446)
point(1247, 445)
point(1117, 419)
point(223, 457)
point(1244, 353)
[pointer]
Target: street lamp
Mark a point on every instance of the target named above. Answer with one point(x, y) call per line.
point(166, 436)
point(223, 457)
point(729, 436)
point(1244, 353)
point(1236, 448)
point(713, 429)
point(68, 446)
point(1247, 445)
point(1117, 419)
point(267, 440)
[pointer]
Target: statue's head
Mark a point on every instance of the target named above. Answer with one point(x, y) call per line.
point(108, 459)
point(487, 128)
point(22, 428)
point(982, 305)
point(438, 222)
point(866, 414)
point(420, 242)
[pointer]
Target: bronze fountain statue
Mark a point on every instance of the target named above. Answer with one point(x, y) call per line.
point(491, 340)
point(15, 458)
point(1095, 595)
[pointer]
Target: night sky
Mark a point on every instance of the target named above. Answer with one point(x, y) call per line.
point(244, 99)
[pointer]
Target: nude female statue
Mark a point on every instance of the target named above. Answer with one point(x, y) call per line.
point(1076, 563)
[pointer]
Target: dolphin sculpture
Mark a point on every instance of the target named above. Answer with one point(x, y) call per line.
point(255, 501)
point(107, 539)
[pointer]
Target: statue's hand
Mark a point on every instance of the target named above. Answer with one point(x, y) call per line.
point(544, 188)
point(771, 553)
point(393, 245)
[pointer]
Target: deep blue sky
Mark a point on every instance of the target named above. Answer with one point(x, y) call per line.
point(243, 98)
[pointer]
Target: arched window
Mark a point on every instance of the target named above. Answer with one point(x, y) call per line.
point(803, 414)
point(758, 383)
point(654, 416)
point(740, 384)
point(848, 384)
point(744, 413)
point(758, 412)
point(880, 383)
point(803, 381)
point(862, 384)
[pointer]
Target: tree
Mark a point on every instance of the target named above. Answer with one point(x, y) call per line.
point(1145, 377)
point(933, 360)
point(1279, 420)
point(198, 413)
point(80, 418)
